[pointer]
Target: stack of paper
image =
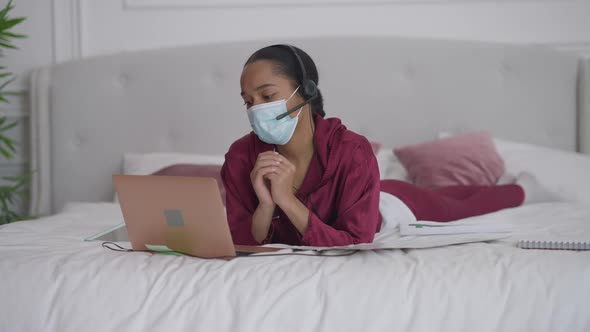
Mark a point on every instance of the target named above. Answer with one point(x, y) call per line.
point(452, 227)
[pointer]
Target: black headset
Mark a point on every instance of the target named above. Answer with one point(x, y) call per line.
point(308, 88)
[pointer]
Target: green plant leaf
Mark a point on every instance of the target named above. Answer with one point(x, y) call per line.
point(8, 147)
point(19, 179)
point(6, 83)
point(6, 9)
point(8, 46)
point(6, 36)
point(14, 93)
point(6, 40)
point(9, 143)
point(8, 126)
point(8, 24)
point(14, 193)
point(12, 178)
point(10, 199)
point(9, 216)
point(14, 35)
point(18, 185)
point(5, 153)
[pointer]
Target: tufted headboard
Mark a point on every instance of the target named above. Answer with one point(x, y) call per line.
point(87, 114)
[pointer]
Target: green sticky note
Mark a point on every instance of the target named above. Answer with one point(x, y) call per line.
point(163, 250)
point(421, 225)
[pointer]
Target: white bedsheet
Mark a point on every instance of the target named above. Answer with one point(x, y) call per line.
point(53, 281)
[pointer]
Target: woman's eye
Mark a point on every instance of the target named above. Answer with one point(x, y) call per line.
point(248, 104)
point(268, 97)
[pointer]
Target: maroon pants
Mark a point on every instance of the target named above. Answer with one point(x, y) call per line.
point(455, 202)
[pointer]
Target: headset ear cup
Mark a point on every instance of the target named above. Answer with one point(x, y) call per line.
point(309, 89)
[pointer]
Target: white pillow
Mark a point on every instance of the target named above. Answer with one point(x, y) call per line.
point(149, 163)
point(390, 167)
point(563, 172)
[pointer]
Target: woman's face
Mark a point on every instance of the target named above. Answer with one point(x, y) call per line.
point(261, 85)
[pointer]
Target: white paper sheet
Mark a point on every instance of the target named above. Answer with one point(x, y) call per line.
point(405, 242)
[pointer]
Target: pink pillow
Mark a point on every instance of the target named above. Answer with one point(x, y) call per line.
point(208, 171)
point(375, 146)
point(468, 159)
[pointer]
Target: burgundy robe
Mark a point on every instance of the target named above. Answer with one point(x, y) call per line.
point(340, 189)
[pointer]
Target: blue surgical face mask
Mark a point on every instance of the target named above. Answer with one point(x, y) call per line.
point(264, 123)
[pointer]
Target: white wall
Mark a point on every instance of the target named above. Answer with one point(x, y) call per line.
point(61, 30)
point(112, 25)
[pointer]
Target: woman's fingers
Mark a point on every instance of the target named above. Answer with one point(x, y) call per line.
point(266, 163)
point(271, 156)
point(267, 155)
point(282, 171)
point(285, 167)
point(265, 170)
point(272, 162)
point(272, 176)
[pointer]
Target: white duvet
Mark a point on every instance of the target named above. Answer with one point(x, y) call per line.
point(50, 280)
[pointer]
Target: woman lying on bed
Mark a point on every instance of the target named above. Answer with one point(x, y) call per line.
point(301, 179)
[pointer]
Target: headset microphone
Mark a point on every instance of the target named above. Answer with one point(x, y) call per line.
point(295, 108)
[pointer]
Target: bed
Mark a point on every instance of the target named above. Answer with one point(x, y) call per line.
point(86, 115)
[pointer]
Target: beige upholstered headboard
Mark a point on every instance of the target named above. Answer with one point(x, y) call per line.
point(87, 114)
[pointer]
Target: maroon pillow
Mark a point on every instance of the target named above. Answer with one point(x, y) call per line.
point(376, 146)
point(207, 171)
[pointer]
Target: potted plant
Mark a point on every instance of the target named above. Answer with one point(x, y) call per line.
point(13, 188)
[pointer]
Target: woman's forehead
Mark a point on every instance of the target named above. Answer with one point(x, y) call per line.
point(259, 74)
point(257, 70)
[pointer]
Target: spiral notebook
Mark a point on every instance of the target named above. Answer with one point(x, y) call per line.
point(554, 245)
